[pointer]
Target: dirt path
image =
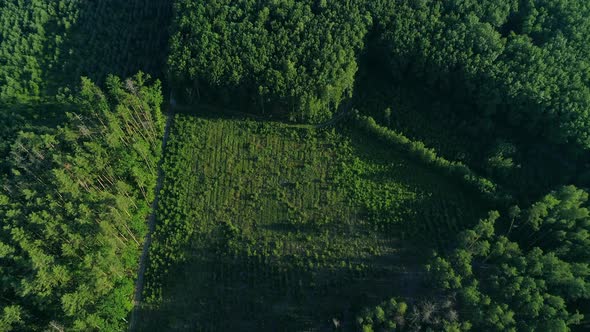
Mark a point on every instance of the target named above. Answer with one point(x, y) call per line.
point(151, 226)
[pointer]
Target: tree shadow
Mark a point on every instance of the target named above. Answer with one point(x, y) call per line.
point(244, 293)
point(444, 205)
point(113, 37)
point(436, 106)
point(219, 289)
point(27, 116)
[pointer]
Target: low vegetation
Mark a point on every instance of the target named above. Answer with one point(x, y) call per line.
point(265, 226)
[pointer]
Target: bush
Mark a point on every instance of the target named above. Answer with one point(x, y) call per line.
point(428, 156)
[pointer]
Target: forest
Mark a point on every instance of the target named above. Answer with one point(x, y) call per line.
point(73, 206)
point(281, 165)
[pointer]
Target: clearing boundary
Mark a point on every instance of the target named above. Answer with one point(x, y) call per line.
point(151, 226)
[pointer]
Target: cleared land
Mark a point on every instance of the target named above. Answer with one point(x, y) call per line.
point(266, 227)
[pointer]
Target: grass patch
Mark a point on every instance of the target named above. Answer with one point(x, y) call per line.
point(264, 226)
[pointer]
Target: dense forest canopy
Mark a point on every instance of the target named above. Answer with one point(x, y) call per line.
point(524, 62)
point(481, 98)
point(528, 279)
point(295, 56)
point(46, 45)
point(73, 208)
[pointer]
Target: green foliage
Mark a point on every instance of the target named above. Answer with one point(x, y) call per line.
point(501, 286)
point(297, 57)
point(25, 46)
point(428, 156)
point(472, 78)
point(264, 217)
point(73, 207)
point(560, 222)
point(396, 315)
point(271, 219)
point(47, 45)
point(525, 60)
point(11, 318)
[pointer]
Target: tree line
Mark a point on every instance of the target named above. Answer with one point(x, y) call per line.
point(514, 70)
point(527, 271)
point(522, 62)
point(509, 77)
point(46, 46)
point(73, 203)
point(511, 62)
point(296, 58)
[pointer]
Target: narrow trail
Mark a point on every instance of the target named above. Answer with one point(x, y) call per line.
point(151, 226)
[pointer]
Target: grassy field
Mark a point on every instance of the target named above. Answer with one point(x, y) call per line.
point(266, 227)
